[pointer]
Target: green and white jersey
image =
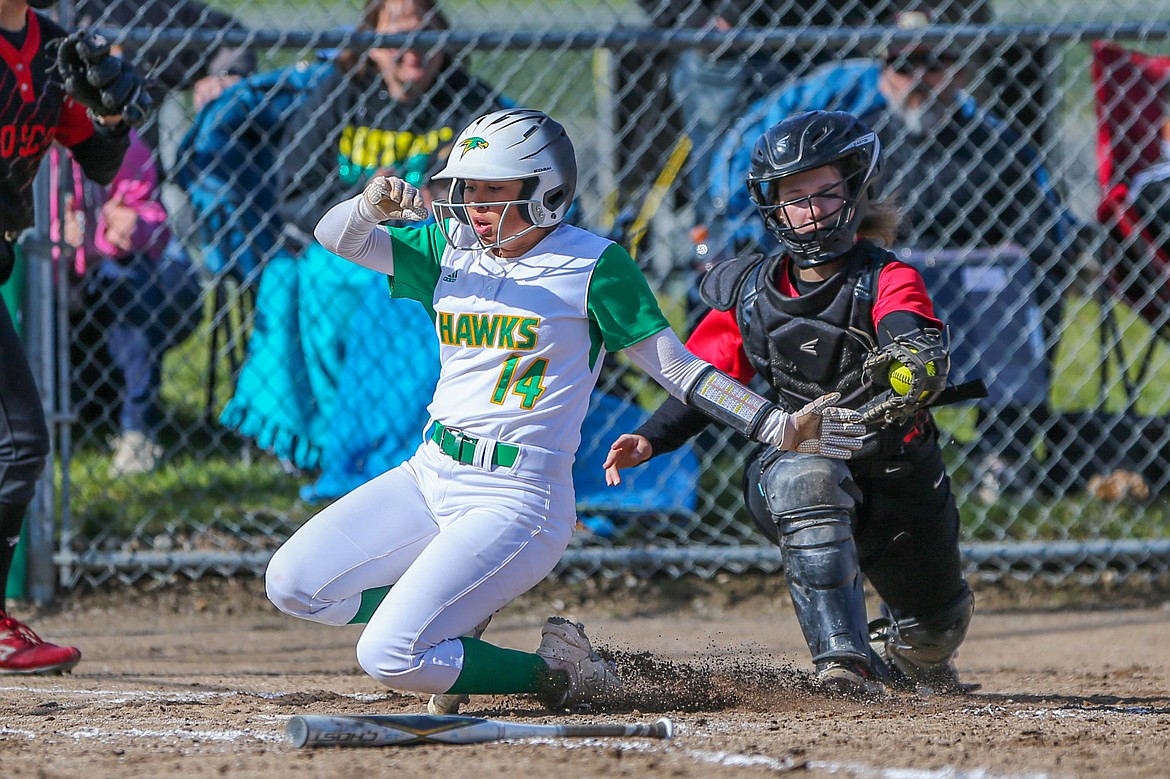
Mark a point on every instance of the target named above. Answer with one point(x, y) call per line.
point(521, 341)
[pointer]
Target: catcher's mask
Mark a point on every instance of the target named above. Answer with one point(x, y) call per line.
point(513, 144)
point(806, 142)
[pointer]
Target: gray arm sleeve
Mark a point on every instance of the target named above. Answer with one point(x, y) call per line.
point(699, 384)
point(345, 231)
point(667, 361)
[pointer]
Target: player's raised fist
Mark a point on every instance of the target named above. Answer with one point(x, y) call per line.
point(106, 85)
point(388, 197)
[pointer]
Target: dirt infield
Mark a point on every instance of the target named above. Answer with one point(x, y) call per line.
point(200, 681)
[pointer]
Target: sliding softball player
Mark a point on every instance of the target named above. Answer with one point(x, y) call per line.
point(525, 308)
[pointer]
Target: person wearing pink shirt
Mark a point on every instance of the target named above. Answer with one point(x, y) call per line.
point(122, 310)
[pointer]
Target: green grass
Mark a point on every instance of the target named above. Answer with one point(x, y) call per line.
point(209, 474)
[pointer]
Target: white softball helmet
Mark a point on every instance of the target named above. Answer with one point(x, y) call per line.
point(516, 143)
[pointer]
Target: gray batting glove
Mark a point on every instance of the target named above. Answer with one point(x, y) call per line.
point(387, 198)
point(839, 435)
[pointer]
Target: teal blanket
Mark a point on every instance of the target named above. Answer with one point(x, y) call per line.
point(331, 357)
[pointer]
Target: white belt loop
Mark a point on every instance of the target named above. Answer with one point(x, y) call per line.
point(484, 449)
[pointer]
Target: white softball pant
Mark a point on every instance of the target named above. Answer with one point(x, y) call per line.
point(457, 542)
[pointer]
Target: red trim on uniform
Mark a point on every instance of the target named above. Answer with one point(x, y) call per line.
point(74, 126)
point(20, 62)
point(718, 341)
point(900, 288)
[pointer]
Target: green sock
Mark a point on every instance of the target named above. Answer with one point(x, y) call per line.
point(371, 600)
point(493, 670)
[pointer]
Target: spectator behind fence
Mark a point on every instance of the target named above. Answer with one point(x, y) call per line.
point(70, 90)
point(205, 69)
point(377, 419)
point(713, 88)
point(128, 304)
point(968, 182)
point(379, 111)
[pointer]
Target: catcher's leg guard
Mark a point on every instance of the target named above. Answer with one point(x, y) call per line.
point(812, 501)
point(920, 650)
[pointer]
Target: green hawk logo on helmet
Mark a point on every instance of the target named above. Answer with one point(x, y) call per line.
point(473, 143)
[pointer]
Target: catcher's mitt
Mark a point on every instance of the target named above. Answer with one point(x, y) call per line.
point(923, 363)
point(106, 85)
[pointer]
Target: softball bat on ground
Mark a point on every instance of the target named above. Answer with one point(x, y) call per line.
point(312, 730)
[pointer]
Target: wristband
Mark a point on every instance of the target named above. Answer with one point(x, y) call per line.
point(726, 400)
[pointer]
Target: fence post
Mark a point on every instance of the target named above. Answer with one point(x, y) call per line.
point(41, 345)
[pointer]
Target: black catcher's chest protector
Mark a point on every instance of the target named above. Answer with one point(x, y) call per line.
point(808, 345)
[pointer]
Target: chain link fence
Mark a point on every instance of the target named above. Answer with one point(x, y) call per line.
point(1052, 275)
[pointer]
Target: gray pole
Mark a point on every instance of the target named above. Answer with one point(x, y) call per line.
point(39, 322)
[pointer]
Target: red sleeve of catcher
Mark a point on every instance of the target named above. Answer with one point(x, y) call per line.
point(717, 340)
point(901, 288)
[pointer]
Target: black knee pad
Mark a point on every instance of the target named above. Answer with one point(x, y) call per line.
point(798, 485)
point(753, 491)
point(812, 501)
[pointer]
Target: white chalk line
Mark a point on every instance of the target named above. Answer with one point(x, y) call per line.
point(125, 696)
point(731, 759)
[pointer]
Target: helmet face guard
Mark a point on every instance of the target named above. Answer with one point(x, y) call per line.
point(806, 142)
point(813, 241)
point(446, 209)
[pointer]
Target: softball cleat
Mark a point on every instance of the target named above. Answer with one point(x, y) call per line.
point(849, 679)
point(24, 652)
point(565, 647)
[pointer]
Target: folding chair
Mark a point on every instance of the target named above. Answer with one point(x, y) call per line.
point(1130, 96)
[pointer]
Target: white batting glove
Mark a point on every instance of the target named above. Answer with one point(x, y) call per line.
point(386, 198)
point(824, 429)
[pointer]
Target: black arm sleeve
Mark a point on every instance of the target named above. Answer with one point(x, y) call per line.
point(898, 323)
point(672, 425)
point(101, 154)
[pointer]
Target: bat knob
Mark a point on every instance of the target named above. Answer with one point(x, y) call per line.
point(298, 731)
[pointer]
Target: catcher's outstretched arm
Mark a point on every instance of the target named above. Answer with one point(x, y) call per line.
point(818, 428)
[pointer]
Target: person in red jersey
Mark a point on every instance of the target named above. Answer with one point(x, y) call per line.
point(833, 311)
point(53, 88)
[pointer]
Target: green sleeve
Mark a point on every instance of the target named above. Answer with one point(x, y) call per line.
point(620, 301)
point(418, 254)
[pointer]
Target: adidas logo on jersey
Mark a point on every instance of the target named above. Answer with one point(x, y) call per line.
point(452, 276)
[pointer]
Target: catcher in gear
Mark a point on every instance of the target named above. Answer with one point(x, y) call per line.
point(835, 312)
point(525, 308)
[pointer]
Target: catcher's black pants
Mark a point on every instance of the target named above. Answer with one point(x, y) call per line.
point(907, 532)
point(24, 437)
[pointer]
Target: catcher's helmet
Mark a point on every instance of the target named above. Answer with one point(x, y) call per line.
point(516, 143)
point(41, 5)
point(805, 142)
